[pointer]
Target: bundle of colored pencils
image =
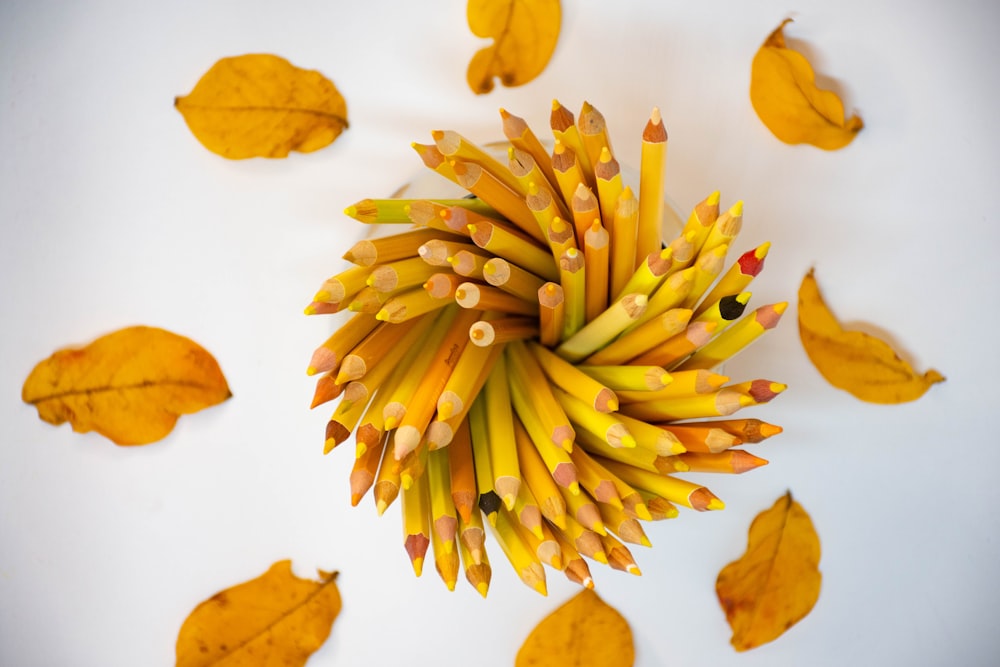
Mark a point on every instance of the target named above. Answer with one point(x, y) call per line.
point(536, 353)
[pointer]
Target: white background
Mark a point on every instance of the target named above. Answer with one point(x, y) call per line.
point(112, 214)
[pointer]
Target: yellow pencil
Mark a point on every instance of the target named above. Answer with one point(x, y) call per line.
point(641, 339)
point(508, 202)
point(735, 338)
point(556, 459)
point(719, 403)
point(514, 247)
point(465, 380)
point(706, 269)
point(619, 557)
point(437, 251)
point(732, 461)
point(584, 509)
point(500, 428)
point(623, 234)
point(455, 147)
point(409, 304)
point(503, 330)
point(472, 535)
point(624, 526)
point(520, 136)
point(432, 158)
point(573, 380)
point(602, 424)
point(421, 405)
point(585, 541)
point(489, 499)
point(416, 523)
point(682, 383)
point(477, 570)
point(403, 392)
point(400, 274)
point(565, 131)
point(674, 489)
point(524, 561)
point(607, 173)
point(595, 479)
point(444, 516)
point(652, 162)
point(461, 473)
point(573, 279)
point(667, 297)
point(443, 285)
point(483, 297)
point(574, 566)
point(535, 475)
point(526, 508)
point(512, 279)
point(570, 174)
point(364, 470)
point(603, 328)
point(593, 133)
point(328, 355)
point(551, 313)
point(368, 252)
point(727, 226)
point(737, 277)
point(678, 346)
point(340, 287)
point(595, 253)
point(585, 209)
point(701, 220)
point(629, 377)
point(527, 379)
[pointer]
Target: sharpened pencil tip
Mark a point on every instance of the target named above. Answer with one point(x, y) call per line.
point(574, 488)
point(588, 583)
point(601, 557)
point(380, 506)
point(715, 504)
point(644, 541)
point(328, 445)
point(418, 566)
point(311, 370)
point(633, 569)
point(483, 588)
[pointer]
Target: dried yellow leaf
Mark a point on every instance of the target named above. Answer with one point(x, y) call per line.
point(855, 361)
point(777, 581)
point(275, 619)
point(260, 105)
point(784, 94)
point(525, 34)
point(583, 632)
point(130, 385)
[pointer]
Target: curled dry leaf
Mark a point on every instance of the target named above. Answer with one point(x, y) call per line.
point(583, 632)
point(260, 105)
point(275, 619)
point(855, 361)
point(525, 33)
point(777, 581)
point(784, 94)
point(130, 385)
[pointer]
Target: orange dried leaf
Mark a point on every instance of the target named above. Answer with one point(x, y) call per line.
point(784, 94)
point(260, 105)
point(583, 632)
point(275, 619)
point(776, 582)
point(130, 385)
point(855, 361)
point(525, 33)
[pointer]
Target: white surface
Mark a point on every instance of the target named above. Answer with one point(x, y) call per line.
point(112, 214)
